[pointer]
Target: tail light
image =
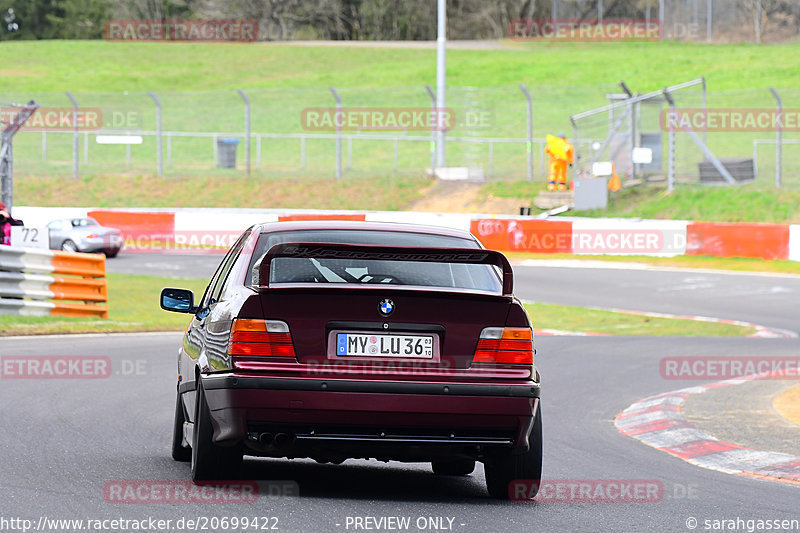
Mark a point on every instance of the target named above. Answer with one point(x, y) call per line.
point(269, 338)
point(505, 345)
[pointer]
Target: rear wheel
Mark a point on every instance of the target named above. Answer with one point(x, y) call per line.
point(179, 451)
point(453, 467)
point(69, 246)
point(503, 469)
point(209, 461)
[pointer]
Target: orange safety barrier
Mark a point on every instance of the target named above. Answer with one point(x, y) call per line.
point(537, 236)
point(86, 290)
point(314, 216)
point(133, 225)
point(85, 265)
point(82, 310)
point(763, 241)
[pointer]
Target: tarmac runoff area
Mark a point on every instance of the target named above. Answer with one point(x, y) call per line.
point(748, 426)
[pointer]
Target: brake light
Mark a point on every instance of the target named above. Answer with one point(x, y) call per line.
point(505, 345)
point(269, 338)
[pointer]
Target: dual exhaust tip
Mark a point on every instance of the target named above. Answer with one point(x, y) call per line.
point(279, 440)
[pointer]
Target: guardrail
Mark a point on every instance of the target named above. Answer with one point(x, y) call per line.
point(27, 284)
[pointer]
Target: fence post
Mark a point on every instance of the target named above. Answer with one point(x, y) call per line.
point(338, 133)
point(433, 129)
point(705, 105)
point(709, 16)
point(600, 12)
point(246, 129)
point(44, 145)
point(85, 147)
point(758, 21)
point(159, 140)
point(779, 139)
point(527, 94)
point(670, 143)
point(661, 15)
point(74, 135)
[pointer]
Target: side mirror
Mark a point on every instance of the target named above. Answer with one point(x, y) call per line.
point(177, 300)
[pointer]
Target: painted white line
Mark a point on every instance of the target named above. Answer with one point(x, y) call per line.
point(625, 265)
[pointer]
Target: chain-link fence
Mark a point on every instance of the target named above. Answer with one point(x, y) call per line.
point(684, 134)
point(487, 135)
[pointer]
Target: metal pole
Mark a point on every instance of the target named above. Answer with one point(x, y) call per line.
point(85, 147)
point(246, 129)
point(169, 149)
point(661, 21)
point(75, 134)
point(705, 128)
point(779, 139)
point(758, 21)
point(441, 81)
point(159, 139)
point(575, 173)
point(554, 12)
point(709, 15)
point(338, 133)
point(44, 146)
point(433, 129)
point(527, 94)
point(128, 155)
point(600, 12)
point(670, 145)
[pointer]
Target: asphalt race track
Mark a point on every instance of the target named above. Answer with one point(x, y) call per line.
point(64, 440)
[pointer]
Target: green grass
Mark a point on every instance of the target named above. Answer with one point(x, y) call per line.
point(578, 319)
point(386, 193)
point(711, 204)
point(282, 80)
point(745, 203)
point(738, 264)
point(98, 66)
point(133, 306)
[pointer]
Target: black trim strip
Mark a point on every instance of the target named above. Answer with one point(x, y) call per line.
point(187, 386)
point(378, 326)
point(229, 381)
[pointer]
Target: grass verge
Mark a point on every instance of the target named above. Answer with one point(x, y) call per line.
point(737, 264)
point(133, 306)
point(579, 319)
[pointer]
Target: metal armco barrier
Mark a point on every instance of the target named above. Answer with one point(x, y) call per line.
point(27, 286)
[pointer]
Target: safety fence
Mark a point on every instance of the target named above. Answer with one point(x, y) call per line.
point(42, 282)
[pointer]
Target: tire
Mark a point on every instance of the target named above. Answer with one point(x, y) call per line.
point(502, 470)
point(112, 253)
point(69, 246)
point(179, 452)
point(209, 461)
point(453, 467)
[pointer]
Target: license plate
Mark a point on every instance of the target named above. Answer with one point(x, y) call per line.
point(357, 344)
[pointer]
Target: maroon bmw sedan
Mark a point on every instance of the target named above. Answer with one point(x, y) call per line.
point(336, 340)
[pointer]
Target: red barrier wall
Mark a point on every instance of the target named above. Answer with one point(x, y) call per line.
point(537, 236)
point(764, 241)
point(133, 225)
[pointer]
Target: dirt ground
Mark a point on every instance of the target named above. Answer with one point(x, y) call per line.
point(460, 197)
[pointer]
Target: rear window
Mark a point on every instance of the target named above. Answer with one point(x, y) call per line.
point(365, 271)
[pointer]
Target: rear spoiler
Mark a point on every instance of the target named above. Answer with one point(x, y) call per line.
point(325, 250)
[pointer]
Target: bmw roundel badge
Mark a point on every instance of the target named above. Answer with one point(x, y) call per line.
point(386, 307)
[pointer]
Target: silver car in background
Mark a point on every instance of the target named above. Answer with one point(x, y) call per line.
point(84, 235)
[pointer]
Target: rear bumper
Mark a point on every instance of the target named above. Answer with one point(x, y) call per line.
point(373, 413)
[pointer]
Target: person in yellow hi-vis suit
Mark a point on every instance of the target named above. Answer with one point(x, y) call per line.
point(561, 153)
